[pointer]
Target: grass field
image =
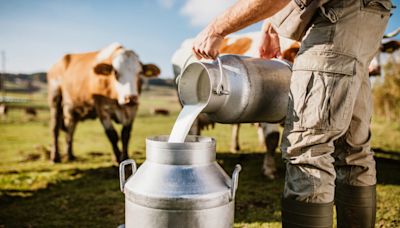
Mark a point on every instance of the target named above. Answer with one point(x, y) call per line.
point(85, 193)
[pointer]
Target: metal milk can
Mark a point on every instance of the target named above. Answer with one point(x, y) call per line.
point(238, 89)
point(179, 185)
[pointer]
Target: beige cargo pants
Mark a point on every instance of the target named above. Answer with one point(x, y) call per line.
point(327, 130)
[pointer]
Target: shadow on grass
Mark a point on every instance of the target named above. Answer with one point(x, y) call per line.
point(257, 198)
point(93, 199)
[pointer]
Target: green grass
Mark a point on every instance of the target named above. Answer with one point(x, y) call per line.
point(85, 193)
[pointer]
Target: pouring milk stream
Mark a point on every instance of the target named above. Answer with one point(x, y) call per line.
point(184, 122)
point(189, 113)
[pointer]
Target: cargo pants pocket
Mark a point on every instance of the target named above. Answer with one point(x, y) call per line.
point(321, 100)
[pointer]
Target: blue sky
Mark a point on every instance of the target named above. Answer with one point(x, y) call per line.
point(35, 33)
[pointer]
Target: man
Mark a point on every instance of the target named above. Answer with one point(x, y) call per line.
point(326, 141)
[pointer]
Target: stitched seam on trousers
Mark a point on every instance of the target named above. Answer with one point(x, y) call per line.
point(328, 92)
point(348, 100)
point(316, 130)
point(313, 69)
point(321, 114)
point(314, 187)
point(328, 102)
point(312, 177)
point(306, 98)
point(325, 51)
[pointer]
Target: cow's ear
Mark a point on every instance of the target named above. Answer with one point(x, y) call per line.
point(103, 69)
point(150, 70)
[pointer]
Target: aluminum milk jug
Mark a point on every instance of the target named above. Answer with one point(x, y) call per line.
point(179, 185)
point(238, 89)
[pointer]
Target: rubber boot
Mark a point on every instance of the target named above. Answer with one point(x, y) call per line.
point(355, 206)
point(300, 214)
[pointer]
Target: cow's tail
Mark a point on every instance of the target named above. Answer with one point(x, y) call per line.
point(54, 78)
point(55, 102)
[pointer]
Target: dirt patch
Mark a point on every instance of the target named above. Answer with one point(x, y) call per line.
point(40, 152)
point(96, 154)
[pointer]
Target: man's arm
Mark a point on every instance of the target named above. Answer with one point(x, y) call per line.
point(240, 15)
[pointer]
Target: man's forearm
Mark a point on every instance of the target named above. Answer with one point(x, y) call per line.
point(242, 14)
point(245, 13)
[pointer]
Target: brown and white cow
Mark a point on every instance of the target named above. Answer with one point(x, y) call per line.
point(243, 44)
point(104, 84)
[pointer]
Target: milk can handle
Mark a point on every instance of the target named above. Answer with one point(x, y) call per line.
point(235, 181)
point(122, 179)
point(220, 88)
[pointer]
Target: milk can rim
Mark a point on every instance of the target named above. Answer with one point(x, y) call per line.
point(198, 141)
point(184, 72)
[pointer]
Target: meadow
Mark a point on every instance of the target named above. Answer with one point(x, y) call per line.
point(85, 193)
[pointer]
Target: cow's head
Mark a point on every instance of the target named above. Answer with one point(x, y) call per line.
point(124, 71)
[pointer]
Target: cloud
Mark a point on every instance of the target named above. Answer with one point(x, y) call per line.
point(201, 12)
point(168, 4)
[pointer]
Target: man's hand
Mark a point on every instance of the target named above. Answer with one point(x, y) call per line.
point(242, 14)
point(207, 44)
point(269, 44)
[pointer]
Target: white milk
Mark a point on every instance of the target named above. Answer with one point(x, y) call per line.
point(190, 111)
point(184, 122)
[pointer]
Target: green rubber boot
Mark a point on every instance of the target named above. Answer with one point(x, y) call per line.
point(355, 206)
point(300, 214)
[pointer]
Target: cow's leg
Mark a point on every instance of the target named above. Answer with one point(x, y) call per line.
point(69, 121)
point(271, 142)
point(70, 125)
point(55, 124)
point(235, 138)
point(261, 136)
point(195, 129)
point(125, 136)
point(111, 135)
point(55, 129)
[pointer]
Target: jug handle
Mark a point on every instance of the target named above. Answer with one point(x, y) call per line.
point(220, 88)
point(122, 179)
point(235, 180)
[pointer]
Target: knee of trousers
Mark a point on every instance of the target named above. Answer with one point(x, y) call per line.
point(355, 164)
point(307, 183)
point(310, 172)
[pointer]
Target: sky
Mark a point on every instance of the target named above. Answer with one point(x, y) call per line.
point(34, 34)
